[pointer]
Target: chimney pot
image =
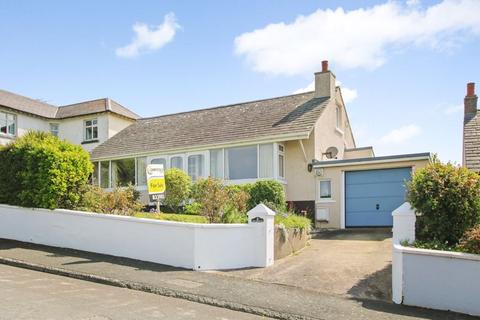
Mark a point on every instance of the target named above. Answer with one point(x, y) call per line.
point(324, 65)
point(470, 89)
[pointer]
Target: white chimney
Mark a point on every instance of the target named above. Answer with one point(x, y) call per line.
point(324, 82)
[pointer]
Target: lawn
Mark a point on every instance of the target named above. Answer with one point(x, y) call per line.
point(172, 217)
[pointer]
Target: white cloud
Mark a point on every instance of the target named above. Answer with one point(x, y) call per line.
point(401, 135)
point(453, 109)
point(356, 38)
point(348, 94)
point(149, 38)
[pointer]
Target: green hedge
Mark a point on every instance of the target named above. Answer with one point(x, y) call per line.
point(269, 192)
point(40, 170)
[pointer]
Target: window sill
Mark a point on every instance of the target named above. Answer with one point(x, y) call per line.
point(90, 141)
point(326, 201)
point(7, 136)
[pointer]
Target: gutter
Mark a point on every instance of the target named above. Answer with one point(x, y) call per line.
point(374, 160)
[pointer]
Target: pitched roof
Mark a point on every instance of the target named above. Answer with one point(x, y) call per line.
point(45, 110)
point(282, 116)
point(471, 141)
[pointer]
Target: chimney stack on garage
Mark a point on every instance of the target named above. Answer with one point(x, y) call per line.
point(470, 101)
point(324, 82)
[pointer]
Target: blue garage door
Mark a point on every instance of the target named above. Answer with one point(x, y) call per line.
point(372, 195)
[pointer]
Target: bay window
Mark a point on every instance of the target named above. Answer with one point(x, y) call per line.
point(176, 162)
point(141, 171)
point(265, 162)
point(216, 163)
point(105, 174)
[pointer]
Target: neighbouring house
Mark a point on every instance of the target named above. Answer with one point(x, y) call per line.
point(86, 123)
point(471, 130)
point(292, 139)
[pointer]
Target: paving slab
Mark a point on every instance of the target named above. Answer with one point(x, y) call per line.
point(260, 298)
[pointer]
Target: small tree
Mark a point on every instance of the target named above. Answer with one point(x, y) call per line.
point(268, 192)
point(447, 199)
point(40, 170)
point(178, 184)
point(213, 198)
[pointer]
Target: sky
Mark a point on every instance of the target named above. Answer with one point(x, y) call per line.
point(402, 65)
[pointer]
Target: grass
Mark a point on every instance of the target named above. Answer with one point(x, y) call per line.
point(172, 217)
point(293, 221)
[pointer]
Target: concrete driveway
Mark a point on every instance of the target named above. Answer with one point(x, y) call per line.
point(354, 263)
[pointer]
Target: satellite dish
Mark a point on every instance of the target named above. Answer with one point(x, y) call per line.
point(331, 153)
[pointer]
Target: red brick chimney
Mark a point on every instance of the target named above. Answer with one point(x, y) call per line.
point(324, 65)
point(471, 99)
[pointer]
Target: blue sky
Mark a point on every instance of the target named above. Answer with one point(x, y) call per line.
point(404, 64)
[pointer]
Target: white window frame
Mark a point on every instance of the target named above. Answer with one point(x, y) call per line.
point(90, 126)
point(52, 124)
point(6, 114)
point(280, 153)
point(319, 191)
point(206, 162)
point(180, 155)
point(222, 151)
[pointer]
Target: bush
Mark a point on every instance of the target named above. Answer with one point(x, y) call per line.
point(121, 201)
point(447, 200)
point(238, 198)
point(40, 170)
point(470, 242)
point(178, 185)
point(293, 221)
point(212, 195)
point(193, 208)
point(268, 192)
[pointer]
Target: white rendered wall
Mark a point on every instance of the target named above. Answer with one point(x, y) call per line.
point(187, 245)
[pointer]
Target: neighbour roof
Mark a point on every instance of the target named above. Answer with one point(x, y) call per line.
point(471, 141)
point(45, 110)
point(328, 163)
point(282, 116)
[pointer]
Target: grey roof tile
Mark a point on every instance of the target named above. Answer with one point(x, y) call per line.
point(294, 114)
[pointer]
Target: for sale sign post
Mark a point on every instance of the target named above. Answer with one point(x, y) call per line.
point(156, 183)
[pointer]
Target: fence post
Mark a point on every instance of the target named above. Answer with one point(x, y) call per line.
point(403, 230)
point(404, 224)
point(262, 219)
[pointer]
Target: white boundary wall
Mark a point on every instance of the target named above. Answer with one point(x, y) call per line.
point(188, 245)
point(432, 278)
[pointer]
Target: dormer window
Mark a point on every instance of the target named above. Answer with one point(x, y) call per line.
point(8, 124)
point(91, 130)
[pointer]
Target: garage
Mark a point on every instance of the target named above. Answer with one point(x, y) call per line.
point(372, 195)
point(363, 191)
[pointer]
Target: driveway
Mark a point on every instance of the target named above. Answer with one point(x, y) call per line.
point(354, 263)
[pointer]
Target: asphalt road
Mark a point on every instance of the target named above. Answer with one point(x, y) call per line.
point(26, 294)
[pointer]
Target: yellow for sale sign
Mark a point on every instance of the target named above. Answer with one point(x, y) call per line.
point(156, 182)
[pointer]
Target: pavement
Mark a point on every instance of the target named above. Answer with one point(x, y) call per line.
point(28, 294)
point(354, 263)
point(274, 300)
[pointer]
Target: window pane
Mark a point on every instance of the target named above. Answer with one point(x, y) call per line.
point(266, 161)
point(104, 171)
point(94, 179)
point(54, 129)
point(216, 164)
point(3, 122)
point(95, 133)
point(141, 171)
point(88, 134)
point(123, 172)
point(281, 166)
point(176, 162)
point(88, 123)
point(94, 121)
point(195, 166)
point(241, 163)
point(160, 161)
point(11, 124)
point(325, 189)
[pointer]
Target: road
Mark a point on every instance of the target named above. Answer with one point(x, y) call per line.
point(26, 294)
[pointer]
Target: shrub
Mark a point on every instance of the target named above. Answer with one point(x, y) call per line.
point(470, 242)
point(238, 198)
point(268, 192)
point(178, 185)
point(193, 208)
point(293, 221)
point(121, 201)
point(212, 195)
point(40, 170)
point(447, 200)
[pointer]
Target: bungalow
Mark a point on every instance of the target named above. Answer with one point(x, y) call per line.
point(304, 141)
point(471, 130)
point(86, 123)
